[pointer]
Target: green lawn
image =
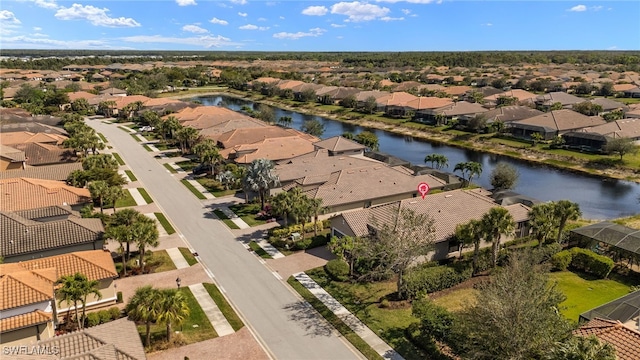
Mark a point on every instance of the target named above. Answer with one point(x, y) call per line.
point(171, 169)
point(104, 139)
point(165, 223)
point(124, 129)
point(214, 187)
point(188, 165)
point(164, 146)
point(136, 138)
point(192, 334)
point(225, 219)
point(158, 257)
point(258, 250)
point(457, 300)
point(364, 300)
point(126, 201)
point(224, 306)
point(145, 195)
point(146, 147)
point(130, 175)
point(585, 293)
point(191, 260)
point(118, 158)
point(338, 324)
point(195, 191)
point(247, 212)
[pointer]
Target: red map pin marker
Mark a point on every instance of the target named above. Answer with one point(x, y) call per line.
point(423, 189)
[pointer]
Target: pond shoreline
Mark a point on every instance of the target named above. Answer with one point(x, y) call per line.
point(528, 155)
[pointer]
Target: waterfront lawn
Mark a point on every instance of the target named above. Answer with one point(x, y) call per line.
point(585, 293)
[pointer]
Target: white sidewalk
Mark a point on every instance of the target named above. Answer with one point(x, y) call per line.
point(272, 251)
point(215, 316)
point(348, 318)
point(178, 260)
point(161, 229)
point(199, 187)
point(177, 168)
point(124, 175)
point(234, 218)
point(135, 194)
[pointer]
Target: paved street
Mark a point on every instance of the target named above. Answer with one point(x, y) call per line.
point(278, 318)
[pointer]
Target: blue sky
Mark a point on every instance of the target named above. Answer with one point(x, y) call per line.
point(375, 25)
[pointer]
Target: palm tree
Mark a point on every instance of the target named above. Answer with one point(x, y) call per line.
point(438, 161)
point(473, 169)
point(495, 223)
point(543, 222)
point(120, 233)
point(119, 229)
point(260, 177)
point(462, 167)
point(173, 309)
point(583, 348)
point(303, 210)
point(227, 179)
point(169, 126)
point(145, 233)
point(69, 292)
point(114, 194)
point(186, 135)
point(285, 121)
point(565, 210)
point(470, 233)
point(87, 287)
point(144, 307)
point(281, 205)
point(106, 107)
point(99, 190)
point(315, 207)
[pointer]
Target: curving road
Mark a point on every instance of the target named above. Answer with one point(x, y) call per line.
point(279, 319)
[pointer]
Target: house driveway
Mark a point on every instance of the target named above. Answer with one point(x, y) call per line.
point(301, 261)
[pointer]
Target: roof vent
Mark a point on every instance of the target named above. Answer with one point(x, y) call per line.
point(448, 196)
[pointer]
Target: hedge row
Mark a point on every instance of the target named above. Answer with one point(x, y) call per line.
point(102, 316)
point(583, 260)
point(287, 231)
point(426, 278)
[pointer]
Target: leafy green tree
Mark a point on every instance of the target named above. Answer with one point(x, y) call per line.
point(313, 127)
point(266, 113)
point(565, 210)
point(435, 321)
point(348, 135)
point(144, 307)
point(261, 177)
point(556, 106)
point(347, 248)
point(174, 309)
point(606, 89)
point(582, 348)
point(506, 101)
point(101, 161)
point(477, 123)
point(370, 105)
point(438, 161)
point(496, 223)
point(613, 115)
point(477, 97)
point(81, 106)
point(587, 108)
point(620, 146)
point(515, 316)
point(368, 139)
point(504, 176)
point(349, 102)
point(536, 137)
point(308, 95)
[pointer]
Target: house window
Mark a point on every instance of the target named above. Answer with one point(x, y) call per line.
point(337, 233)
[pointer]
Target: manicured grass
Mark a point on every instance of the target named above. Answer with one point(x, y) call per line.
point(145, 195)
point(187, 165)
point(191, 260)
point(126, 201)
point(124, 129)
point(214, 187)
point(225, 219)
point(258, 250)
point(171, 170)
point(130, 175)
point(118, 158)
point(510, 142)
point(364, 300)
point(161, 256)
point(165, 223)
point(104, 139)
point(224, 306)
point(203, 331)
point(585, 293)
point(457, 300)
point(195, 191)
point(136, 138)
point(247, 212)
point(146, 147)
point(349, 334)
point(164, 146)
point(222, 193)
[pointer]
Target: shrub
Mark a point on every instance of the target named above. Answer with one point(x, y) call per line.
point(119, 297)
point(591, 263)
point(115, 313)
point(434, 319)
point(105, 316)
point(93, 319)
point(302, 244)
point(561, 260)
point(337, 269)
point(422, 279)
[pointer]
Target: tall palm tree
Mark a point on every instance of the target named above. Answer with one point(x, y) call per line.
point(474, 169)
point(145, 233)
point(543, 222)
point(282, 204)
point(565, 210)
point(470, 233)
point(260, 177)
point(495, 223)
point(114, 194)
point(121, 234)
point(69, 292)
point(186, 136)
point(303, 210)
point(173, 309)
point(583, 348)
point(462, 167)
point(438, 161)
point(144, 306)
point(170, 126)
point(99, 190)
point(315, 207)
point(88, 287)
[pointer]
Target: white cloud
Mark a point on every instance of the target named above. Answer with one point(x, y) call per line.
point(295, 36)
point(94, 15)
point(262, 19)
point(205, 41)
point(253, 27)
point(578, 8)
point(242, 14)
point(338, 25)
point(47, 4)
point(281, 17)
point(409, 1)
point(239, 2)
point(194, 29)
point(39, 35)
point(25, 41)
point(186, 2)
point(36, 28)
point(612, 48)
point(388, 18)
point(406, 11)
point(596, 8)
point(315, 11)
point(359, 11)
point(487, 24)
point(218, 21)
point(7, 17)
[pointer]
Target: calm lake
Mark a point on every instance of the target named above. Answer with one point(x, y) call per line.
point(598, 198)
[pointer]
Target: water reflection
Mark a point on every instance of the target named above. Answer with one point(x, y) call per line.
point(597, 199)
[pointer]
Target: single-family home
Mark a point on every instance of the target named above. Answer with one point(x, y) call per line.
point(38, 154)
point(395, 103)
point(11, 158)
point(507, 114)
point(596, 137)
point(58, 172)
point(567, 101)
point(632, 93)
point(113, 92)
point(26, 193)
point(459, 110)
point(553, 124)
point(24, 137)
point(274, 149)
point(448, 209)
point(609, 105)
point(521, 96)
point(624, 338)
point(338, 145)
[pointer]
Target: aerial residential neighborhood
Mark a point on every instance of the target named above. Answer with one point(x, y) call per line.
point(257, 217)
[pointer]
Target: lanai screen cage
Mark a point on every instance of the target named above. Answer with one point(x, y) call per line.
point(623, 309)
point(614, 235)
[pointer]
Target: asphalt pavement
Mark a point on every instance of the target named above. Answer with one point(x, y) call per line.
point(284, 324)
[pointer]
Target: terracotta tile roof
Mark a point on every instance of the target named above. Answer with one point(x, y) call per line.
point(318, 164)
point(160, 101)
point(428, 102)
point(625, 340)
point(396, 99)
point(58, 172)
point(24, 320)
point(100, 98)
point(122, 101)
point(460, 108)
point(288, 84)
point(274, 149)
point(113, 91)
point(364, 95)
point(80, 95)
point(213, 132)
point(561, 120)
point(28, 193)
point(212, 114)
point(13, 154)
point(338, 143)
point(43, 154)
point(448, 209)
point(456, 90)
point(94, 264)
point(623, 87)
point(519, 94)
point(21, 137)
point(23, 236)
point(115, 340)
point(254, 135)
point(20, 287)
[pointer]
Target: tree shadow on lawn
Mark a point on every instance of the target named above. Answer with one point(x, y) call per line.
point(305, 315)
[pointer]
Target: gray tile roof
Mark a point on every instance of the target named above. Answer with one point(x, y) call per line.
point(19, 235)
point(307, 166)
point(12, 153)
point(511, 113)
point(338, 143)
point(561, 120)
point(46, 172)
point(47, 212)
point(625, 128)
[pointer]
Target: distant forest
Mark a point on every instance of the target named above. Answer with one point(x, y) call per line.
point(56, 59)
